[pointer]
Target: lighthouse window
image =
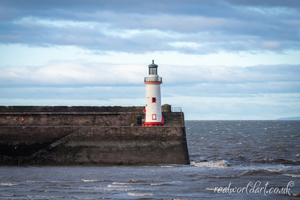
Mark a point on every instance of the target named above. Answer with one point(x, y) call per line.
point(153, 100)
point(153, 70)
point(153, 116)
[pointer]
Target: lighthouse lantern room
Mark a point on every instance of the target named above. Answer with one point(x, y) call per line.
point(154, 115)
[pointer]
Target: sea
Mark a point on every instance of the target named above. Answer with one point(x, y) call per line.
point(229, 160)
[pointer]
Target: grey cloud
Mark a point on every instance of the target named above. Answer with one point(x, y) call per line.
point(82, 8)
point(213, 25)
point(68, 74)
point(240, 90)
point(33, 34)
point(232, 75)
point(146, 41)
point(188, 7)
point(272, 3)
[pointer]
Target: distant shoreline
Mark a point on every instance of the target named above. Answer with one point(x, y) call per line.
point(289, 118)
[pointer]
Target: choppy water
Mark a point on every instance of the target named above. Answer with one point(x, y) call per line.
point(232, 154)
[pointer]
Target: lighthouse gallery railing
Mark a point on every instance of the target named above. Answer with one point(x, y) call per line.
point(149, 79)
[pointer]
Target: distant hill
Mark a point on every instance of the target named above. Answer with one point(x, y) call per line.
point(289, 118)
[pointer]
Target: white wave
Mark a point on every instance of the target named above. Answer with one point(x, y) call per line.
point(139, 194)
point(115, 189)
point(118, 183)
point(87, 180)
point(119, 186)
point(66, 188)
point(178, 199)
point(156, 184)
point(165, 183)
point(36, 182)
point(275, 170)
point(221, 163)
point(292, 175)
point(9, 184)
point(91, 188)
point(134, 181)
point(7, 195)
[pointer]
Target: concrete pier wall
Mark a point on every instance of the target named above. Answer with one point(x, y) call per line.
point(85, 136)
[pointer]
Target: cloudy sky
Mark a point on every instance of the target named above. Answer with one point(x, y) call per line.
point(219, 59)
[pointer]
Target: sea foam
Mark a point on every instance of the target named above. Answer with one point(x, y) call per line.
point(139, 194)
point(221, 163)
point(292, 175)
point(86, 180)
point(9, 184)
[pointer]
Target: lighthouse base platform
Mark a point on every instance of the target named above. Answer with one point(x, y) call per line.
point(155, 123)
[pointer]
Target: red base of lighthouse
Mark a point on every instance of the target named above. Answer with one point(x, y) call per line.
point(155, 123)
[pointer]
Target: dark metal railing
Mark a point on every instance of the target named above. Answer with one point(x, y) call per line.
point(150, 79)
point(176, 109)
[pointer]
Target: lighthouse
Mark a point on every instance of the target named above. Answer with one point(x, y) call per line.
point(153, 112)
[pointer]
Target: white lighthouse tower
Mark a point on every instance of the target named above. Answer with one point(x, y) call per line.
point(154, 115)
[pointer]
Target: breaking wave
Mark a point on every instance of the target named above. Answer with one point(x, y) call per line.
point(139, 194)
point(159, 184)
point(87, 180)
point(118, 183)
point(292, 175)
point(221, 163)
point(9, 184)
point(117, 186)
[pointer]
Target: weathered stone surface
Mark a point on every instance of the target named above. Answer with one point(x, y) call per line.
point(89, 138)
point(71, 109)
point(166, 108)
point(57, 119)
